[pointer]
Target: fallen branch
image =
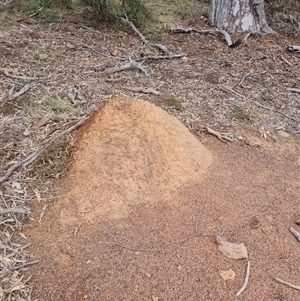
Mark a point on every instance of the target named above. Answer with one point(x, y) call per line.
point(24, 210)
point(294, 48)
point(160, 47)
point(20, 92)
point(286, 61)
point(17, 267)
point(36, 153)
point(246, 75)
point(246, 280)
point(204, 32)
point(129, 65)
point(294, 90)
point(161, 57)
point(8, 72)
point(223, 137)
point(295, 233)
point(142, 90)
point(288, 284)
point(255, 102)
point(116, 242)
point(22, 164)
point(96, 51)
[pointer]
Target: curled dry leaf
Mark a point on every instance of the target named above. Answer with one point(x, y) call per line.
point(255, 222)
point(231, 249)
point(228, 275)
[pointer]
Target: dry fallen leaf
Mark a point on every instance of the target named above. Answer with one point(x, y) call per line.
point(232, 250)
point(255, 222)
point(146, 274)
point(228, 275)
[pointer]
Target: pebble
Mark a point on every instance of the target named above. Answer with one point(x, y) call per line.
point(283, 134)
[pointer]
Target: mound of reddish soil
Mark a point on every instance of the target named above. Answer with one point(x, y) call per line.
point(131, 151)
point(139, 219)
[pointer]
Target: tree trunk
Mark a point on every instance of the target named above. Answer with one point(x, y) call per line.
point(239, 15)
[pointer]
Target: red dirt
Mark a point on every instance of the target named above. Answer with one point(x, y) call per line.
point(138, 187)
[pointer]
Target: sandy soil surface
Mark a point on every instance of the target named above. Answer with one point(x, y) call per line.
point(149, 232)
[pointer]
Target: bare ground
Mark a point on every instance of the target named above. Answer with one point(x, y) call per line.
point(254, 181)
point(249, 195)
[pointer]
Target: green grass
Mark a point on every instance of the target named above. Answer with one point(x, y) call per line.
point(240, 114)
point(173, 103)
point(58, 105)
point(54, 161)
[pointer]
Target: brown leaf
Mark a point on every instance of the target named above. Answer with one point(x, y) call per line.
point(228, 275)
point(255, 222)
point(232, 250)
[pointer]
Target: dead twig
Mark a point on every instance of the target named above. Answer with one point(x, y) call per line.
point(20, 92)
point(294, 90)
point(24, 210)
point(96, 51)
point(22, 164)
point(8, 73)
point(246, 75)
point(36, 153)
point(77, 228)
point(129, 65)
point(42, 213)
point(288, 284)
point(286, 61)
point(161, 57)
point(255, 102)
point(294, 48)
point(223, 137)
point(17, 267)
point(116, 242)
point(246, 280)
point(142, 90)
point(295, 233)
point(160, 47)
point(178, 29)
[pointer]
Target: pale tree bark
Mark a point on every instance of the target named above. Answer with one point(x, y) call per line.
point(239, 15)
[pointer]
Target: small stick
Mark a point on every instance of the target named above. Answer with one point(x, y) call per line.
point(288, 284)
point(205, 32)
point(142, 90)
point(246, 280)
point(246, 75)
point(35, 154)
point(286, 61)
point(8, 74)
point(77, 228)
point(162, 48)
point(96, 51)
point(20, 92)
point(296, 233)
point(222, 137)
point(161, 57)
point(117, 243)
point(294, 90)
point(24, 210)
point(42, 213)
point(128, 65)
point(255, 102)
point(24, 265)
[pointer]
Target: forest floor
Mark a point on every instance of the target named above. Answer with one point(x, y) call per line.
point(250, 193)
